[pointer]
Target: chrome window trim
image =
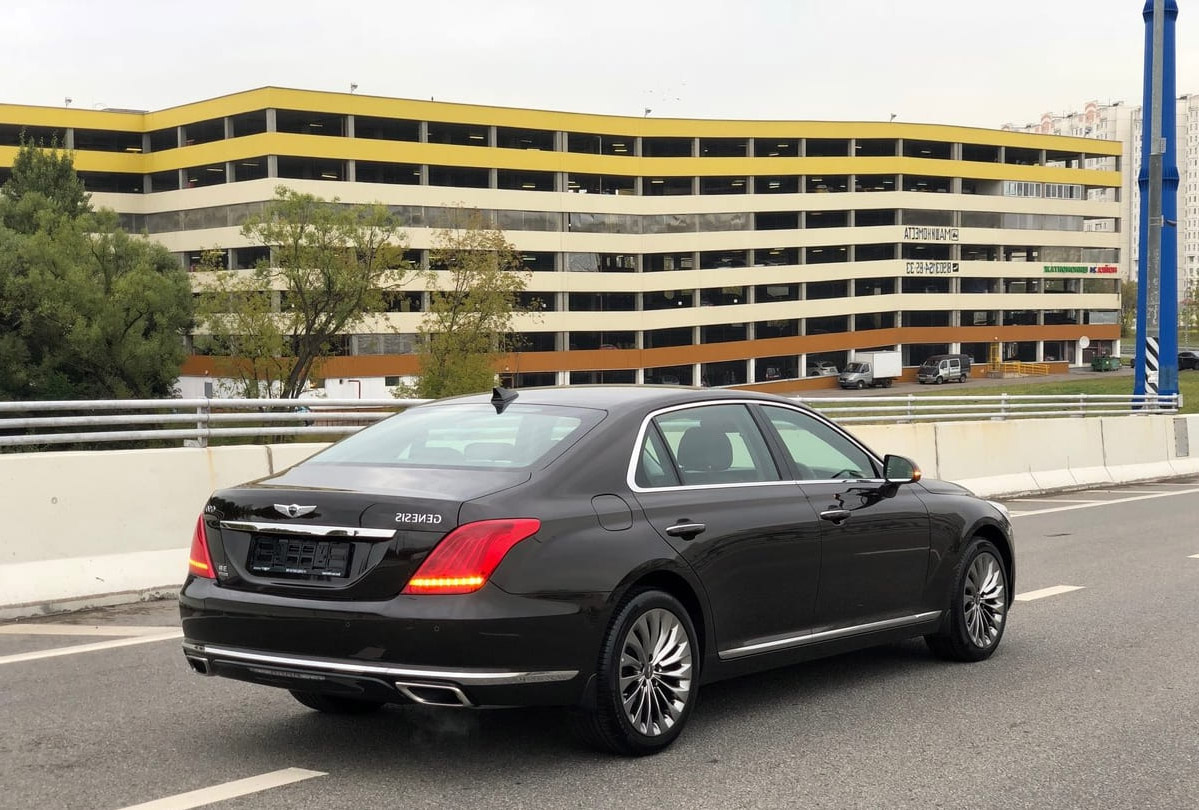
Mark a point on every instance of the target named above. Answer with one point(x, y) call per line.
point(631, 474)
point(466, 676)
point(315, 530)
point(828, 635)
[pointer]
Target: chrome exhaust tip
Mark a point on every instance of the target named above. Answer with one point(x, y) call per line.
point(199, 665)
point(433, 694)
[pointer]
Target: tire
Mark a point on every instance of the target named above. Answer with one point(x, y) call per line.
point(963, 379)
point(976, 615)
point(887, 383)
point(335, 704)
point(861, 385)
point(652, 619)
point(939, 380)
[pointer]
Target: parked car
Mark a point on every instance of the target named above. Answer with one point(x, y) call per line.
point(822, 368)
point(941, 368)
point(611, 549)
point(1188, 359)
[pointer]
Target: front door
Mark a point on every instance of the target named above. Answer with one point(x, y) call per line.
point(874, 537)
point(708, 483)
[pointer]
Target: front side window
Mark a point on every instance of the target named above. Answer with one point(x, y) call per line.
point(818, 451)
point(716, 444)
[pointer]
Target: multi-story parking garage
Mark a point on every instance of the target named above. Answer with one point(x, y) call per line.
point(690, 251)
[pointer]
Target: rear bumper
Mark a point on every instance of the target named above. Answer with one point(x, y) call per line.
point(488, 648)
point(391, 683)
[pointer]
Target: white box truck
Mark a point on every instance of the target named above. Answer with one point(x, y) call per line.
point(872, 369)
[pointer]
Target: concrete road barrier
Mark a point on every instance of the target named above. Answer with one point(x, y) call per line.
point(90, 528)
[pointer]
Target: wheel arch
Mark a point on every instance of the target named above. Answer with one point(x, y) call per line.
point(1001, 541)
point(678, 586)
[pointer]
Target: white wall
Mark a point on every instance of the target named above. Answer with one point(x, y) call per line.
point(81, 526)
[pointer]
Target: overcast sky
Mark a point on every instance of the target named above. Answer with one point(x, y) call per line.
point(968, 62)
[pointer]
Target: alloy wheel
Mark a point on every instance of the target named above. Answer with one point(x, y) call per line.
point(984, 600)
point(655, 672)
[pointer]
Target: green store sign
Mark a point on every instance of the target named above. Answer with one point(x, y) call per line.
point(1082, 269)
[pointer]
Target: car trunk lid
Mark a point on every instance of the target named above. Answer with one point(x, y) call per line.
point(332, 531)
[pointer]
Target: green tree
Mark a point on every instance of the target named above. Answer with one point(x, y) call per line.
point(239, 319)
point(43, 182)
point(475, 279)
point(1128, 307)
point(86, 310)
point(1188, 313)
point(331, 265)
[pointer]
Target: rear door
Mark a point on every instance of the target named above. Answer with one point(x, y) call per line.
point(707, 481)
point(874, 539)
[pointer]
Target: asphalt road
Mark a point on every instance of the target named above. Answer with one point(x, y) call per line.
point(1090, 702)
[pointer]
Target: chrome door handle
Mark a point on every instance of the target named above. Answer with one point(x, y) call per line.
point(686, 530)
point(836, 516)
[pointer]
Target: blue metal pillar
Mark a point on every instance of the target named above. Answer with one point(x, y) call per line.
point(1143, 212)
point(1168, 384)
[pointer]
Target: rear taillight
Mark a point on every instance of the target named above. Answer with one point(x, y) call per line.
point(199, 562)
point(462, 562)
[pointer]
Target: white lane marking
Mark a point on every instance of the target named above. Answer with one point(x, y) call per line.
point(1128, 491)
point(1193, 557)
point(83, 648)
point(1104, 503)
point(229, 790)
point(1043, 592)
point(1059, 500)
point(121, 630)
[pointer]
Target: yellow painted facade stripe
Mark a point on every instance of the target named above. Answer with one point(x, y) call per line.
point(344, 103)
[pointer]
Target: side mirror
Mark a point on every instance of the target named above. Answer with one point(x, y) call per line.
point(900, 470)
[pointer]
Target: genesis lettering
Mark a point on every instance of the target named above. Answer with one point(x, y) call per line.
point(418, 517)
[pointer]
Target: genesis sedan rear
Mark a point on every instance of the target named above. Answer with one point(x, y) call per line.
point(607, 549)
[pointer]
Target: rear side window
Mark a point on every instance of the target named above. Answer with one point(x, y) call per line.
point(716, 444)
point(466, 435)
point(819, 452)
point(655, 467)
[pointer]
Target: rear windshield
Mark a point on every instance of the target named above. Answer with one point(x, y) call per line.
point(466, 435)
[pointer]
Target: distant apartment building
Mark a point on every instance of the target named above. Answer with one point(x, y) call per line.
point(1119, 122)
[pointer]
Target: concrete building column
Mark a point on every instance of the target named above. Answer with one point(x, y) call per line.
point(180, 135)
point(423, 137)
point(147, 186)
point(230, 166)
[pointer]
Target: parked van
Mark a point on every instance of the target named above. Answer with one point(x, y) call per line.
point(942, 368)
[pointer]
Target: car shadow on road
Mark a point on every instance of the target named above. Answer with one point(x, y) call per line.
point(493, 739)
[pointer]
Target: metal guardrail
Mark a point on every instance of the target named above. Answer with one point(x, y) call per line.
point(197, 421)
point(913, 408)
point(206, 419)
